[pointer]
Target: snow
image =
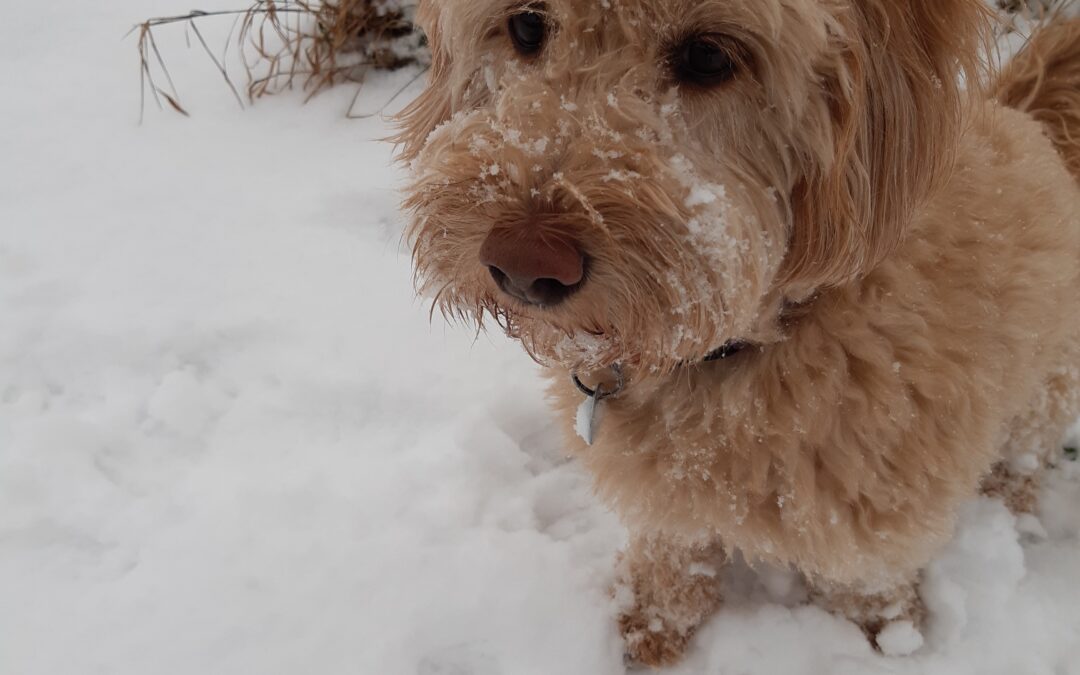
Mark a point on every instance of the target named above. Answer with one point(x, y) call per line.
point(231, 442)
point(899, 638)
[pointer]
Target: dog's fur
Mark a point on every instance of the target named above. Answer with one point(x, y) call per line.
point(901, 250)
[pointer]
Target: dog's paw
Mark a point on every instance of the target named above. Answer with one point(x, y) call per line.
point(891, 620)
point(665, 590)
point(650, 642)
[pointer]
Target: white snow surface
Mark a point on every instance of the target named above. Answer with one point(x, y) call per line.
point(231, 442)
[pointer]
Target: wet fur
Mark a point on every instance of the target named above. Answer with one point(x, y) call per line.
point(903, 252)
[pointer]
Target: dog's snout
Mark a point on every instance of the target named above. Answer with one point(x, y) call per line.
point(534, 268)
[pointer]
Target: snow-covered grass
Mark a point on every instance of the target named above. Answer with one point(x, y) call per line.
point(231, 441)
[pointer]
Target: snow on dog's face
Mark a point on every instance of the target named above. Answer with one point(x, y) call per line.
point(640, 181)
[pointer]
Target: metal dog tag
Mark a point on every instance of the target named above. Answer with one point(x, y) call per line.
point(585, 424)
point(588, 412)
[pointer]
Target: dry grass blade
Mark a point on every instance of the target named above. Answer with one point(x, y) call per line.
point(146, 79)
point(175, 105)
point(161, 62)
point(353, 115)
point(220, 66)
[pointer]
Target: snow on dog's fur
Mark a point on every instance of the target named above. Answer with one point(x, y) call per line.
point(890, 241)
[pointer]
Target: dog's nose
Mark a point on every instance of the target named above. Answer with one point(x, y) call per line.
point(536, 269)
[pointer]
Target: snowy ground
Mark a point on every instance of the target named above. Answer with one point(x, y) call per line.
point(231, 442)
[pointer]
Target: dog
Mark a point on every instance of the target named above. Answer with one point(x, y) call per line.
point(804, 274)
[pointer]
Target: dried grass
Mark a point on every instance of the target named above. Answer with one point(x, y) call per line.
point(284, 44)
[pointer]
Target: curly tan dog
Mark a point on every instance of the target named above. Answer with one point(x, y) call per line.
point(882, 243)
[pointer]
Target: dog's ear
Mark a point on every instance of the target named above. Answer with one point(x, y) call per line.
point(434, 105)
point(896, 88)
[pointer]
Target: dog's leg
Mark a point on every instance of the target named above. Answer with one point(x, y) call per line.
point(871, 611)
point(1035, 436)
point(1019, 490)
point(675, 587)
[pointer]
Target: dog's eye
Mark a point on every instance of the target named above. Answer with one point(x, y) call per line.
point(707, 60)
point(527, 31)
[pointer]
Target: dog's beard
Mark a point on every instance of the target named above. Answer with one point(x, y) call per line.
point(649, 319)
point(581, 347)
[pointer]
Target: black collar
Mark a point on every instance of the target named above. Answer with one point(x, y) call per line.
point(586, 416)
point(728, 350)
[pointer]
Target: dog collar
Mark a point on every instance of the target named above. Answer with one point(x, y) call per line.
point(728, 350)
point(586, 421)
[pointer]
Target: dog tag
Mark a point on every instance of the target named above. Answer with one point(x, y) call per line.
point(585, 425)
point(589, 411)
